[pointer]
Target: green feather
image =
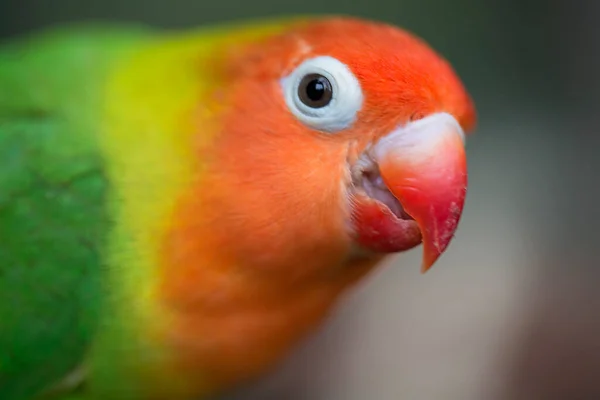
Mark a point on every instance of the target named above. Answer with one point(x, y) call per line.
point(53, 220)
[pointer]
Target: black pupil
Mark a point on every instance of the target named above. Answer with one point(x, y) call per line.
point(315, 91)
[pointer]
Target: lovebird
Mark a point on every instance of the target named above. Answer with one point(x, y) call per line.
point(179, 209)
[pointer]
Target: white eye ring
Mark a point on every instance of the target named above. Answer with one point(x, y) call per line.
point(346, 94)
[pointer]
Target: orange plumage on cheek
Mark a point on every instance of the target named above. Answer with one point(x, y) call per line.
point(286, 181)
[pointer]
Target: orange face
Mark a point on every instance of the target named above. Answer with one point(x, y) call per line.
point(344, 135)
point(336, 143)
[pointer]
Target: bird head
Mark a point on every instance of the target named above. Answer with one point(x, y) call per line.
point(343, 138)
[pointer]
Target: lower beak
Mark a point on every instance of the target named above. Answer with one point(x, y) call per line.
point(423, 164)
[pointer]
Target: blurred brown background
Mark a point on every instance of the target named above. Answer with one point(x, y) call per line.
point(512, 311)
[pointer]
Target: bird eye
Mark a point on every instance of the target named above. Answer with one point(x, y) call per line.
point(315, 91)
point(323, 93)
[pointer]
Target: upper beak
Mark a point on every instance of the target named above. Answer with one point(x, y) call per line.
point(424, 166)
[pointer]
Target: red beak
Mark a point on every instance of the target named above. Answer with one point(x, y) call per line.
point(424, 166)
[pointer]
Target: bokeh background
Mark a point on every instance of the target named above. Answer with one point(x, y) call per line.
point(512, 310)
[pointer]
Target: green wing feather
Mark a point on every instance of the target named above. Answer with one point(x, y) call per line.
point(53, 220)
